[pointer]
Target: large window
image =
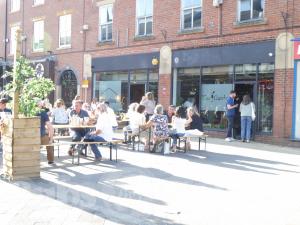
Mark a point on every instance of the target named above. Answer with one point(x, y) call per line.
point(38, 2)
point(251, 9)
point(14, 5)
point(65, 28)
point(144, 17)
point(13, 31)
point(191, 14)
point(216, 84)
point(106, 22)
point(38, 35)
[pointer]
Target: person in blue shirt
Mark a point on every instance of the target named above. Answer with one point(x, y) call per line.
point(3, 108)
point(230, 114)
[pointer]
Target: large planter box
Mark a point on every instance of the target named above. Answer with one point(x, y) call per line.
point(21, 148)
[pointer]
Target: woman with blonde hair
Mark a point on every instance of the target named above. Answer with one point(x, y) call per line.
point(149, 103)
point(59, 113)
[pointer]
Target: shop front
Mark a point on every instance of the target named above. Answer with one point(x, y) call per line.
point(204, 77)
point(122, 80)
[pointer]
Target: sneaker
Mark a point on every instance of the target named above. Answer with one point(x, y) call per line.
point(50, 162)
point(228, 139)
point(98, 159)
point(232, 139)
point(243, 140)
point(248, 141)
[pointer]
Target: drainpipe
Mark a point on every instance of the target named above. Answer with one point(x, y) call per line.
point(5, 30)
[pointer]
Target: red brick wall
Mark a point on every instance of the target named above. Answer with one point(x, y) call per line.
point(164, 94)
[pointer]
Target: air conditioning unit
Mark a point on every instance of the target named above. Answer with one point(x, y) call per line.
point(217, 3)
point(85, 27)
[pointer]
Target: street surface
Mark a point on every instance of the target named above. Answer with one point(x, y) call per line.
point(228, 184)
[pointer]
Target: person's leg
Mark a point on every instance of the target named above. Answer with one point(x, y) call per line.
point(94, 147)
point(248, 129)
point(243, 127)
point(230, 126)
point(50, 149)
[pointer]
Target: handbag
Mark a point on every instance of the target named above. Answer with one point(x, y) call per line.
point(253, 116)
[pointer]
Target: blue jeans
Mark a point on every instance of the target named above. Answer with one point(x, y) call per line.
point(175, 137)
point(92, 138)
point(246, 122)
point(230, 120)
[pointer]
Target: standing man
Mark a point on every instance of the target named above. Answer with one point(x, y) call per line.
point(77, 133)
point(230, 114)
point(46, 132)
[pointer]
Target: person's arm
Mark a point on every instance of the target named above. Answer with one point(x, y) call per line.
point(232, 106)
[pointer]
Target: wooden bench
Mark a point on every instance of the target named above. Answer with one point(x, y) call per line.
point(199, 137)
point(110, 144)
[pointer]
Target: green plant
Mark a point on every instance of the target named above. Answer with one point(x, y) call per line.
point(28, 86)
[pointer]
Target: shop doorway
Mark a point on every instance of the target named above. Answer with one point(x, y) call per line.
point(241, 90)
point(137, 91)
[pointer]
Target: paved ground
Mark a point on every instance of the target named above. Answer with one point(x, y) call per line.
point(229, 184)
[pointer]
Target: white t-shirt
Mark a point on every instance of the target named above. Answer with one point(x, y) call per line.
point(104, 124)
point(178, 124)
point(136, 120)
point(60, 115)
point(113, 117)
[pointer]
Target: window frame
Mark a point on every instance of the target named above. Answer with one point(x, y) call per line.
point(145, 18)
point(192, 20)
point(106, 24)
point(60, 45)
point(40, 49)
point(39, 3)
point(15, 5)
point(251, 12)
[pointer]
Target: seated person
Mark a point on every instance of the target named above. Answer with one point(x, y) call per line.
point(131, 110)
point(159, 122)
point(178, 125)
point(193, 122)
point(104, 130)
point(170, 113)
point(77, 133)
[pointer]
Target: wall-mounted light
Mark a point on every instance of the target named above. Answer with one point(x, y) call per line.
point(155, 61)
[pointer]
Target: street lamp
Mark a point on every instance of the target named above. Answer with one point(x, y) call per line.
point(155, 61)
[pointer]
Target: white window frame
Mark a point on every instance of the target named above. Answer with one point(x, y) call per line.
point(193, 9)
point(12, 40)
point(64, 32)
point(251, 11)
point(38, 2)
point(15, 5)
point(38, 35)
point(145, 17)
point(106, 24)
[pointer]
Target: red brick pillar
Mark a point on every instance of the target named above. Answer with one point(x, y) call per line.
point(164, 90)
point(283, 103)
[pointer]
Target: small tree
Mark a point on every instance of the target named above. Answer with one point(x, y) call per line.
point(29, 86)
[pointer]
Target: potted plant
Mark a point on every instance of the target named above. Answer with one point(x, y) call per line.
point(21, 132)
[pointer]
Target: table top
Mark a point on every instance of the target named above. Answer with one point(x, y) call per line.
point(57, 126)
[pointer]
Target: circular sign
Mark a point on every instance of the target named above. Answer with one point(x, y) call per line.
point(39, 70)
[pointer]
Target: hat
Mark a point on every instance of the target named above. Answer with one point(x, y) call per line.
point(3, 100)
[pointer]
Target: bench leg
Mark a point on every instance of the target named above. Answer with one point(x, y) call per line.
point(58, 149)
point(78, 156)
point(205, 143)
point(199, 143)
point(116, 153)
point(185, 145)
point(110, 151)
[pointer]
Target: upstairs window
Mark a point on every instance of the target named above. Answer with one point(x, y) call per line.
point(38, 35)
point(14, 5)
point(38, 2)
point(106, 22)
point(251, 9)
point(13, 31)
point(65, 30)
point(191, 15)
point(144, 17)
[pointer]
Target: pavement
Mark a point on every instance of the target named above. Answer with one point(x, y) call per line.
point(228, 184)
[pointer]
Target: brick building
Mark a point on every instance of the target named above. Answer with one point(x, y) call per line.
point(204, 48)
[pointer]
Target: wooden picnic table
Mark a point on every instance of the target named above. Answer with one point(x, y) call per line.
point(69, 126)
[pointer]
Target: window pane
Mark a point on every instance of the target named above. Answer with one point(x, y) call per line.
point(140, 8)
point(149, 25)
point(106, 14)
point(245, 10)
point(258, 8)
point(197, 17)
point(103, 33)
point(187, 19)
point(245, 72)
point(188, 3)
point(109, 31)
point(65, 27)
point(141, 27)
point(149, 8)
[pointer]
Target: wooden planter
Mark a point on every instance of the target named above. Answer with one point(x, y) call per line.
point(21, 148)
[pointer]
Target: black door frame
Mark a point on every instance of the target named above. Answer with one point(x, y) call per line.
point(254, 83)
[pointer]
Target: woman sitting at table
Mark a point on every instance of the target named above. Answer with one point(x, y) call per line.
point(59, 115)
point(159, 122)
point(178, 125)
point(104, 130)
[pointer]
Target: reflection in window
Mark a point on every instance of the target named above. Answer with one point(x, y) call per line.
point(265, 98)
point(251, 9)
point(216, 84)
